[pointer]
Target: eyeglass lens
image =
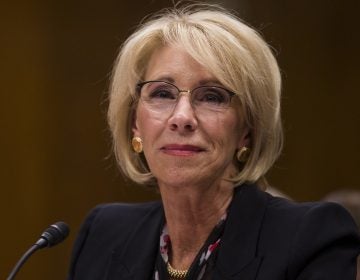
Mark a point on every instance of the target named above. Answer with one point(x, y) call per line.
point(163, 95)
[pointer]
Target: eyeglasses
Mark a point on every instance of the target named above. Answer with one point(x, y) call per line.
point(163, 96)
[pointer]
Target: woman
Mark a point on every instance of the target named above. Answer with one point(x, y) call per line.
point(195, 111)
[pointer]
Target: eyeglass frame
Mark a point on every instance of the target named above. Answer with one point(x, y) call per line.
point(140, 85)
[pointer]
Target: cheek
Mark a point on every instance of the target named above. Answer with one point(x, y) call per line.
point(147, 123)
point(224, 128)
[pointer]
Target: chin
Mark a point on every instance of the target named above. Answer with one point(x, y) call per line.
point(179, 177)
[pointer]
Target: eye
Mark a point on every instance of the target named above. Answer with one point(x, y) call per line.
point(161, 94)
point(159, 91)
point(211, 95)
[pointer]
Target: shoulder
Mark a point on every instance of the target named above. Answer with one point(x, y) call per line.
point(293, 211)
point(107, 227)
point(312, 240)
point(302, 222)
point(310, 236)
point(107, 213)
point(283, 224)
point(310, 214)
point(285, 212)
point(119, 217)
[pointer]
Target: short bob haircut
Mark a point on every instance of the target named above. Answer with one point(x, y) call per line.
point(231, 51)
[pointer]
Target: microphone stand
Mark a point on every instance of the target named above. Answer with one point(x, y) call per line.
point(53, 235)
point(23, 259)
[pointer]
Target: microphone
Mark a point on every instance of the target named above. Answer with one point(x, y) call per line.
point(53, 235)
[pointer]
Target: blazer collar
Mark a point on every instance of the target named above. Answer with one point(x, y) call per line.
point(237, 258)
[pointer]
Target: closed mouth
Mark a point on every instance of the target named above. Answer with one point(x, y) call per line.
point(182, 149)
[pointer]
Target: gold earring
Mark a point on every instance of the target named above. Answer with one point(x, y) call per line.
point(242, 155)
point(137, 144)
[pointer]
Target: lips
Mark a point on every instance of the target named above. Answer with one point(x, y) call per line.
point(182, 150)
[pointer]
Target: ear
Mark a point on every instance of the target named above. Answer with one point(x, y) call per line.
point(134, 124)
point(245, 138)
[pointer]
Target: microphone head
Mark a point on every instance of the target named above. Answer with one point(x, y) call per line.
point(53, 235)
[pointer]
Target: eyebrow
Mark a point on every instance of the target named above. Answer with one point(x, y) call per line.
point(203, 82)
point(210, 81)
point(165, 78)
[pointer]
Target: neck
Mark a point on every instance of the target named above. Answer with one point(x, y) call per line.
point(191, 214)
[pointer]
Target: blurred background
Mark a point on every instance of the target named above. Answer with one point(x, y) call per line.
point(56, 161)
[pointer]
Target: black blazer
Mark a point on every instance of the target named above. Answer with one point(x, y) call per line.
point(265, 238)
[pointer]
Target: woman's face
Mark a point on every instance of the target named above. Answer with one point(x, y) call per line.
point(186, 146)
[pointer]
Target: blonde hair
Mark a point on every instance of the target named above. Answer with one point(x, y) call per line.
point(229, 49)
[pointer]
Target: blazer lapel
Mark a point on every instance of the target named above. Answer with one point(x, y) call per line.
point(137, 259)
point(237, 257)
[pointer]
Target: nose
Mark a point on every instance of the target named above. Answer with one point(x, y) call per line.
point(183, 118)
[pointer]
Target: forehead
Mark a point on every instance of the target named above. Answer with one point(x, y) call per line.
point(174, 64)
